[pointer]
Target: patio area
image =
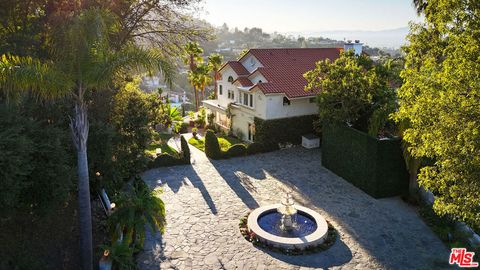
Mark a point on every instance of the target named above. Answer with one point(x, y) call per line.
point(205, 201)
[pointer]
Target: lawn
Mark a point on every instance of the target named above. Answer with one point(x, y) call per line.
point(224, 141)
point(161, 142)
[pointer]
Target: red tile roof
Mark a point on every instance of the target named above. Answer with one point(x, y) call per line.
point(237, 67)
point(244, 81)
point(284, 68)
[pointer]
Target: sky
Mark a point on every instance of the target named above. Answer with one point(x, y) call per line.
point(303, 16)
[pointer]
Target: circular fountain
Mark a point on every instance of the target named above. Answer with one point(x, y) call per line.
point(288, 226)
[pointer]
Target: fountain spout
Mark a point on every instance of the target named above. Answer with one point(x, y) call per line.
point(288, 211)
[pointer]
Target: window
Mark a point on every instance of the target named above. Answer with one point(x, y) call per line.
point(311, 100)
point(245, 99)
point(259, 81)
point(251, 100)
point(230, 79)
point(231, 94)
point(220, 90)
point(286, 101)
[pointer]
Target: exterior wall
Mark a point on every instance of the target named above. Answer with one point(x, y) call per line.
point(223, 99)
point(298, 107)
point(240, 123)
point(258, 77)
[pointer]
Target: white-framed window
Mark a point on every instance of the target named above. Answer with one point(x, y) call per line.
point(230, 79)
point(286, 101)
point(220, 89)
point(246, 99)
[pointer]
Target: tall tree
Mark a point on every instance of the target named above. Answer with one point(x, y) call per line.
point(440, 99)
point(193, 57)
point(83, 61)
point(215, 62)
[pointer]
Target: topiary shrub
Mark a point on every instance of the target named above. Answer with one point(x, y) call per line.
point(255, 148)
point(236, 150)
point(165, 160)
point(212, 148)
point(183, 128)
point(185, 150)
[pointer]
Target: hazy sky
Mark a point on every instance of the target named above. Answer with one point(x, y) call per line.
point(310, 15)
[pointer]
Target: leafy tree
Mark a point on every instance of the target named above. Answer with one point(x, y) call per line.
point(34, 164)
point(351, 90)
point(137, 208)
point(440, 100)
point(214, 63)
point(84, 60)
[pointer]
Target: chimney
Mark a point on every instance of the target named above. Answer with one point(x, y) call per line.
point(355, 46)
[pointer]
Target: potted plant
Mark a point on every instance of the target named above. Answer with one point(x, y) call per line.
point(194, 132)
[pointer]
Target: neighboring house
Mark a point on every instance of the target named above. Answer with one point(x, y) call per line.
point(267, 84)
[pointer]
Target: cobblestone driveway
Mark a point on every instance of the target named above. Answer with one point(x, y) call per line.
point(206, 200)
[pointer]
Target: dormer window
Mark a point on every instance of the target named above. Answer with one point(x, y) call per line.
point(286, 101)
point(259, 81)
point(230, 79)
point(252, 62)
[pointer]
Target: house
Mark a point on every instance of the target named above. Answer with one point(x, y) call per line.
point(267, 84)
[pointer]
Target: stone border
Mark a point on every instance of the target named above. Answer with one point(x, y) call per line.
point(300, 243)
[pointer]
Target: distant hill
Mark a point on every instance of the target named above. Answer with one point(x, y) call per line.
point(391, 38)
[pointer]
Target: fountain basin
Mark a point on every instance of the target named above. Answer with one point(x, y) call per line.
point(311, 237)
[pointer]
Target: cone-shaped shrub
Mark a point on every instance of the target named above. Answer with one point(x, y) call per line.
point(185, 150)
point(212, 148)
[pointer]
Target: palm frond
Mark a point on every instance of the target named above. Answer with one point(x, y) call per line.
point(21, 74)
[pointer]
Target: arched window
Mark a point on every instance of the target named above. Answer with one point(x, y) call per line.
point(259, 81)
point(286, 101)
point(230, 79)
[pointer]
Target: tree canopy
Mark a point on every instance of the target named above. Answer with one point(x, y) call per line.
point(440, 100)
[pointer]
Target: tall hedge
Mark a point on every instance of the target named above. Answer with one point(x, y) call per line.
point(185, 150)
point(375, 166)
point(212, 148)
point(283, 130)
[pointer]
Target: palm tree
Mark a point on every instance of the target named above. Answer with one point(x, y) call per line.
point(204, 77)
point(420, 6)
point(215, 62)
point(138, 208)
point(192, 57)
point(82, 61)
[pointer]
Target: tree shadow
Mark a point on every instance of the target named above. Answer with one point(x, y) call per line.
point(177, 176)
point(238, 178)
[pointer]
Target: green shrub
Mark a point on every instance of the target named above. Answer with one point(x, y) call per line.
point(284, 130)
point(236, 150)
point(183, 128)
point(212, 148)
point(185, 150)
point(165, 160)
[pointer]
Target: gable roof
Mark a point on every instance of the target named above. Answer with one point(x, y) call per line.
point(237, 67)
point(284, 68)
point(244, 81)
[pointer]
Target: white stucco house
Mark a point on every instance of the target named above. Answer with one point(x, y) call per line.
point(268, 84)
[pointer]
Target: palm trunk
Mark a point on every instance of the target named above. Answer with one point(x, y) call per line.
point(196, 98)
point(79, 128)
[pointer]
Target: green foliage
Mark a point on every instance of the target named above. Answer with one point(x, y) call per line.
point(131, 116)
point(440, 100)
point(351, 90)
point(236, 150)
point(256, 148)
point(185, 150)
point(121, 255)
point(137, 208)
point(375, 166)
point(201, 117)
point(283, 130)
point(212, 147)
point(35, 166)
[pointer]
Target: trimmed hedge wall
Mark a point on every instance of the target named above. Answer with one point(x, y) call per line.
point(375, 166)
point(284, 130)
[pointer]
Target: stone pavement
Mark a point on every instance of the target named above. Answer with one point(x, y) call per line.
point(205, 201)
